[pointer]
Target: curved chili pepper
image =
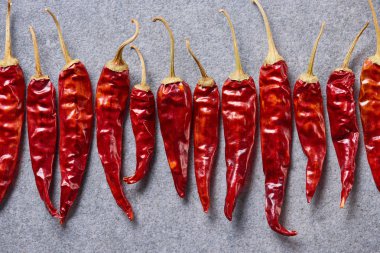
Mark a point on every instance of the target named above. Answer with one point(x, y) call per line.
point(174, 113)
point(343, 122)
point(76, 124)
point(239, 101)
point(12, 93)
point(42, 128)
point(275, 129)
point(206, 130)
point(310, 122)
point(111, 104)
point(143, 119)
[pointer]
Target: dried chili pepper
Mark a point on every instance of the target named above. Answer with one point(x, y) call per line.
point(174, 113)
point(111, 103)
point(343, 123)
point(275, 129)
point(12, 93)
point(310, 122)
point(143, 119)
point(76, 124)
point(206, 130)
point(239, 101)
point(42, 128)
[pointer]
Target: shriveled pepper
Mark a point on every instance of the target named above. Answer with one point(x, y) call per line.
point(275, 129)
point(174, 113)
point(310, 122)
point(343, 123)
point(12, 93)
point(206, 106)
point(239, 102)
point(42, 128)
point(75, 125)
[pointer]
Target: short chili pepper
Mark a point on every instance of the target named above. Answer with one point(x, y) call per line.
point(206, 106)
point(310, 122)
point(275, 129)
point(42, 128)
point(174, 113)
point(143, 119)
point(12, 93)
point(369, 103)
point(343, 123)
point(75, 125)
point(239, 101)
point(111, 103)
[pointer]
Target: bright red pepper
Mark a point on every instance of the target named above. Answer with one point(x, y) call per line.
point(205, 129)
point(174, 113)
point(239, 102)
point(343, 123)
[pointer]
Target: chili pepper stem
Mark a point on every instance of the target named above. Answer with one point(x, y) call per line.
point(375, 58)
point(142, 86)
point(38, 74)
point(8, 60)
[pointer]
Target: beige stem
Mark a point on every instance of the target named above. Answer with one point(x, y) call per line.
point(201, 69)
point(314, 51)
point(36, 53)
point(346, 61)
point(118, 59)
point(143, 68)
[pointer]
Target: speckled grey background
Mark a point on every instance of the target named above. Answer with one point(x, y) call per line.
point(164, 222)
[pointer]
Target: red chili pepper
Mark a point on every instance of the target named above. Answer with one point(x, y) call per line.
point(206, 130)
point(143, 119)
point(310, 122)
point(111, 104)
point(343, 123)
point(12, 93)
point(239, 121)
point(174, 113)
point(275, 129)
point(76, 124)
point(42, 128)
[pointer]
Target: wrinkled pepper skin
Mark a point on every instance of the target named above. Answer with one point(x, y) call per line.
point(76, 125)
point(111, 104)
point(174, 113)
point(343, 125)
point(12, 94)
point(206, 101)
point(42, 133)
point(310, 122)
point(239, 101)
point(276, 138)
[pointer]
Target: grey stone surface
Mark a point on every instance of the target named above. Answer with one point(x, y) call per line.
point(165, 223)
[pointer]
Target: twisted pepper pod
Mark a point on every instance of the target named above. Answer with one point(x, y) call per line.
point(343, 123)
point(75, 124)
point(239, 101)
point(174, 113)
point(310, 122)
point(206, 106)
point(275, 129)
point(41, 115)
point(12, 93)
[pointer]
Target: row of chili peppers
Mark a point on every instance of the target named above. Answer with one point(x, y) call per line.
point(177, 113)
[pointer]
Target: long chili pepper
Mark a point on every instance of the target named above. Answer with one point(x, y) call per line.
point(111, 103)
point(343, 123)
point(42, 128)
point(205, 129)
point(310, 122)
point(174, 113)
point(12, 93)
point(143, 119)
point(76, 124)
point(239, 101)
point(275, 129)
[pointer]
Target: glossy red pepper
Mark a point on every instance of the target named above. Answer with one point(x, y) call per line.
point(343, 123)
point(174, 113)
point(42, 128)
point(206, 106)
point(239, 101)
point(310, 122)
point(75, 125)
point(12, 93)
point(275, 129)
